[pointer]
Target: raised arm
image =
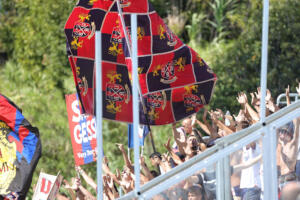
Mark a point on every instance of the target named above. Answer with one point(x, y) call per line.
point(125, 157)
point(86, 177)
point(296, 123)
point(240, 167)
point(145, 169)
point(211, 131)
point(106, 189)
point(287, 95)
point(203, 127)
point(175, 157)
point(242, 99)
point(107, 170)
point(165, 162)
point(220, 124)
point(270, 105)
point(110, 184)
point(296, 131)
point(70, 189)
point(179, 138)
point(194, 120)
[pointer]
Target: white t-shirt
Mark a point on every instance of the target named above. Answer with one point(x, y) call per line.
point(250, 176)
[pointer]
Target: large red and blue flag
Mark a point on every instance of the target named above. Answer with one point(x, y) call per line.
point(20, 150)
point(175, 81)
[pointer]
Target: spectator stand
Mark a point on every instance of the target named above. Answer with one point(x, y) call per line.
point(265, 129)
point(281, 99)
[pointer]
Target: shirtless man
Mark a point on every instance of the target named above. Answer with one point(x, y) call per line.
point(288, 149)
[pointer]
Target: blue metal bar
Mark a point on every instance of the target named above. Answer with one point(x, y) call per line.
point(98, 58)
point(135, 101)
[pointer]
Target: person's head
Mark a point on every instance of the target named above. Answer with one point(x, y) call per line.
point(192, 142)
point(155, 158)
point(195, 193)
point(187, 125)
point(154, 173)
point(291, 191)
point(198, 135)
point(178, 193)
point(252, 145)
point(286, 132)
point(242, 125)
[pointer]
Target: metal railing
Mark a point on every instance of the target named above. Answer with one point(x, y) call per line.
point(223, 148)
point(279, 100)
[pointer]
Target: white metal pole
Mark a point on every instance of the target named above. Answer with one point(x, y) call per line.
point(273, 144)
point(98, 58)
point(264, 60)
point(268, 155)
point(227, 176)
point(220, 179)
point(135, 102)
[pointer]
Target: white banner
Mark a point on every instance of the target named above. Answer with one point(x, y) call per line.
point(47, 187)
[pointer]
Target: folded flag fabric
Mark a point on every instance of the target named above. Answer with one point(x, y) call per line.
point(143, 132)
point(20, 150)
point(175, 81)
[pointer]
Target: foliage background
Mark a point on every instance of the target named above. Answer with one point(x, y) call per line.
point(35, 73)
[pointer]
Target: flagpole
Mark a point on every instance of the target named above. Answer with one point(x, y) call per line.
point(98, 58)
point(140, 91)
point(152, 141)
point(135, 102)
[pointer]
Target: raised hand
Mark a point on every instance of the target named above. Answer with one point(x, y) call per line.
point(287, 91)
point(118, 174)
point(95, 155)
point(254, 100)
point(121, 147)
point(240, 117)
point(204, 114)
point(258, 93)
point(242, 98)
point(219, 114)
point(298, 89)
point(78, 169)
point(211, 114)
point(110, 181)
point(105, 160)
point(67, 185)
point(272, 106)
point(142, 160)
point(269, 96)
point(167, 145)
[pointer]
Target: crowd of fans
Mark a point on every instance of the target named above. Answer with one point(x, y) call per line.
point(246, 166)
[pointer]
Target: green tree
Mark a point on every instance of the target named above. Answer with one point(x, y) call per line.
point(237, 62)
